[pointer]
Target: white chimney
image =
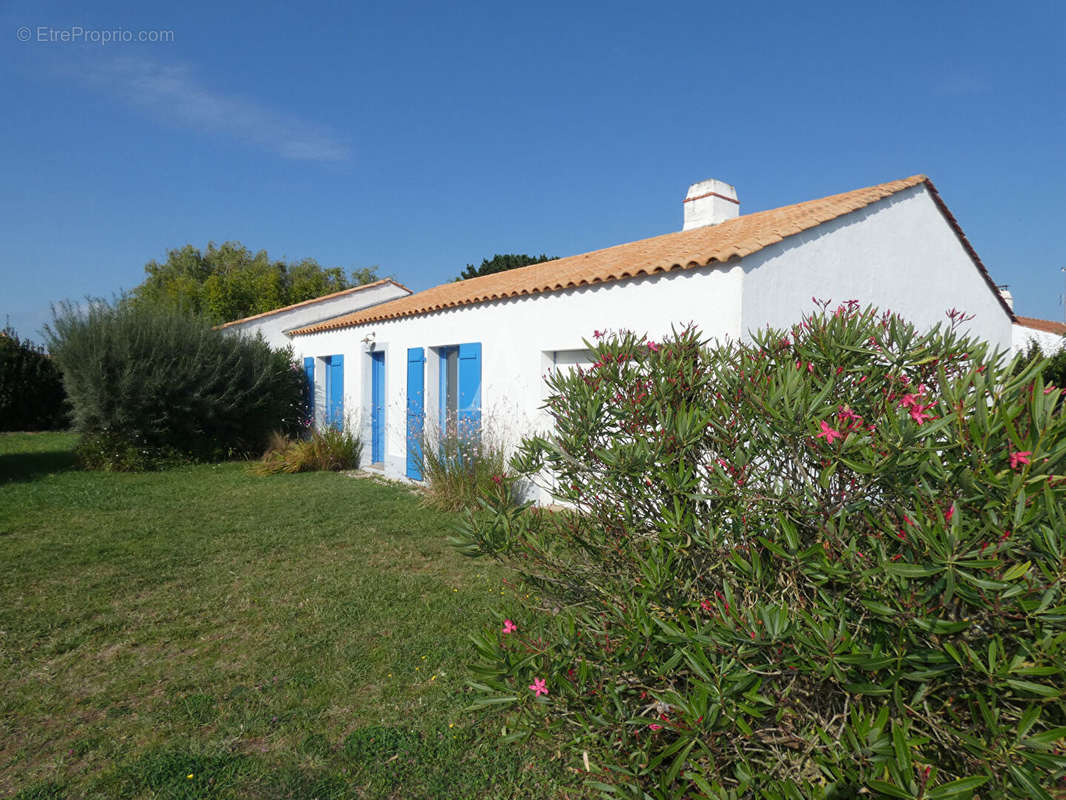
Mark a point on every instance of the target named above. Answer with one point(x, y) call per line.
point(1004, 292)
point(710, 202)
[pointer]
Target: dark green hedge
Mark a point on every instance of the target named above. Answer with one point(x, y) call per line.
point(31, 387)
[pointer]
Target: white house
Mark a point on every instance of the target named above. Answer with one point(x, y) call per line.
point(1047, 335)
point(477, 350)
point(275, 325)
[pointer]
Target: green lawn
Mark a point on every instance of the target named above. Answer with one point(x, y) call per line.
point(203, 632)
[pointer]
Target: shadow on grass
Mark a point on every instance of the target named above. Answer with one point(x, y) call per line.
point(30, 466)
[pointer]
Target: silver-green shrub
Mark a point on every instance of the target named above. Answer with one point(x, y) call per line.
point(149, 384)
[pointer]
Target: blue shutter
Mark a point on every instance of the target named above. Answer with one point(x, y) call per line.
point(377, 407)
point(416, 361)
point(309, 371)
point(469, 411)
point(335, 411)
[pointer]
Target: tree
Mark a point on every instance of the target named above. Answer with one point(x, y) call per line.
point(229, 281)
point(502, 263)
point(1054, 365)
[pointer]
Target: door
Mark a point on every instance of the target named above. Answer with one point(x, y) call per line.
point(309, 371)
point(335, 392)
point(377, 407)
point(416, 361)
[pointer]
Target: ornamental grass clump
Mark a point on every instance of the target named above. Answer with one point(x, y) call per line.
point(462, 467)
point(328, 450)
point(825, 562)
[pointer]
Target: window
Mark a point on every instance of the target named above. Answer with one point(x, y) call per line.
point(449, 361)
point(460, 391)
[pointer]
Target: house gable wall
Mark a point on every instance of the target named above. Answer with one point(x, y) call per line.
point(1022, 336)
point(898, 254)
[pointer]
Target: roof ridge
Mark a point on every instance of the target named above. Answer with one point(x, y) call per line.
point(696, 247)
point(1046, 325)
point(311, 301)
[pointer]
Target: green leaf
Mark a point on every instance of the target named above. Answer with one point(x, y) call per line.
point(867, 688)
point(1017, 571)
point(903, 752)
point(911, 570)
point(1026, 779)
point(1047, 737)
point(1034, 688)
point(956, 788)
point(889, 789)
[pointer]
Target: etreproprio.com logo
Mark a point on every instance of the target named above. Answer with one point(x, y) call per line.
point(77, 34)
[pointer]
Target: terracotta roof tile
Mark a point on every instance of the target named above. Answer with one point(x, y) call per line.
point(1046, 325)
point(698, 247)
point(313, 300)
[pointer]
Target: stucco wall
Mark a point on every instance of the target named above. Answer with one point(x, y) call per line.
point(1048, 342)
point(274, 326)
point(899, 254)
point(518, 337)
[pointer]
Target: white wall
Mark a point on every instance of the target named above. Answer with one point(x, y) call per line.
point(898, 253)
point(1049, 343)
point(518, 337)
point(273, 326)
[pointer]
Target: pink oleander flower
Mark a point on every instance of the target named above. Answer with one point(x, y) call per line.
point(598, 334)
point(655, 726)
point(845, 414)
point(509, 627)
point(653, 347)
point(1019, 457)
point(918, 413)
point(829, 433)
point(538, 687)
point(950, 513)
point(705, 605)
point(909, 401)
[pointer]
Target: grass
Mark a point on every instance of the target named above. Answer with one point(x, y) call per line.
point(207, 632)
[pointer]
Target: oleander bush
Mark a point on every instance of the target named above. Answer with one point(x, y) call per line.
point(825, 562)
point(329, 449)
point(31, 387)
point(150, 386)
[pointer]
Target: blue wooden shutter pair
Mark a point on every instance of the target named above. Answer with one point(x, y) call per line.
point(469, 401)
point(416, 361)
point(309, 371)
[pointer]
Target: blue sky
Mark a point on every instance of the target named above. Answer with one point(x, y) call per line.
point(421, 137)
